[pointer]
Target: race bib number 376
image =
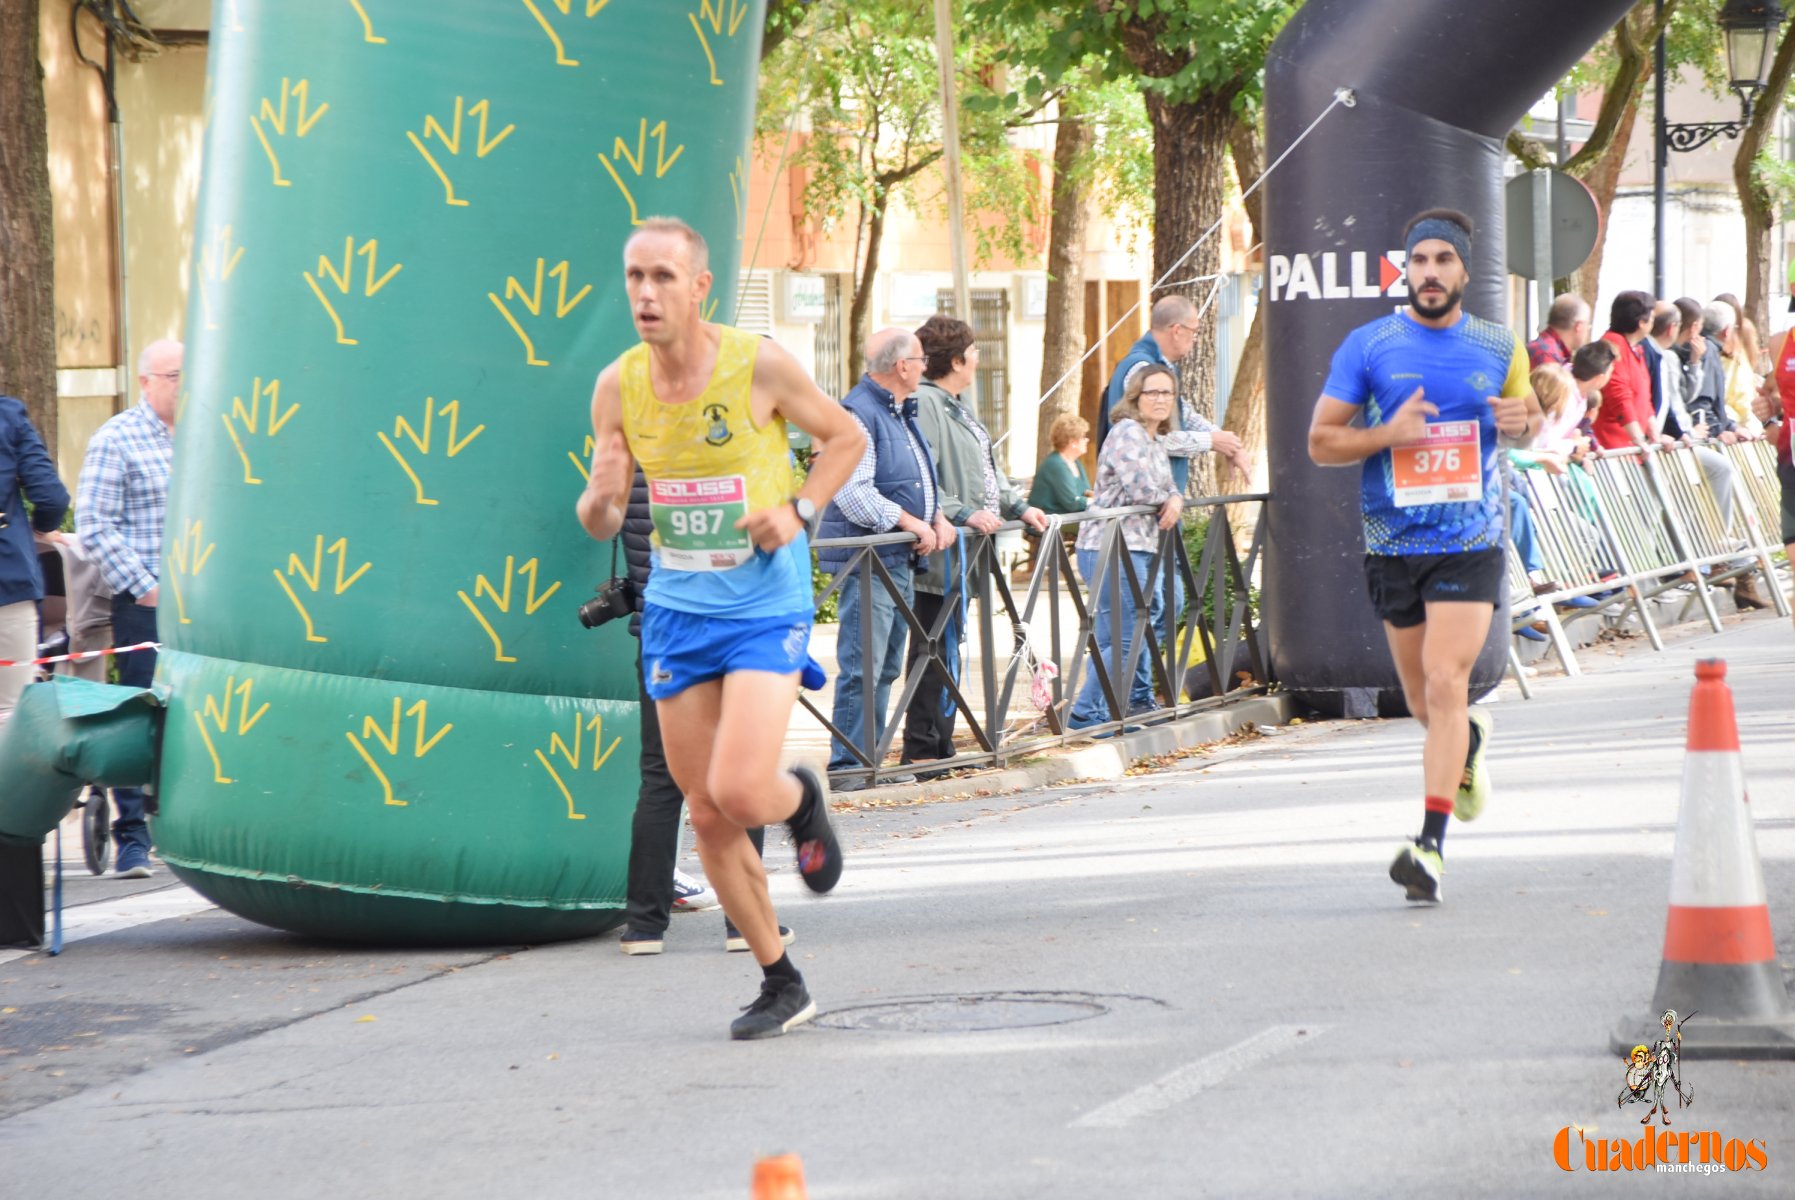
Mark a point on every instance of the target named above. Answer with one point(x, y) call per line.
point(695, 522)
point(1445, 467)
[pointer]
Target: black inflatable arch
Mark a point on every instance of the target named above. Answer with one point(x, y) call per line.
point(1435, 88)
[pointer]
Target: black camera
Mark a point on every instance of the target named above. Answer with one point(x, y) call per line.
point(616, 598)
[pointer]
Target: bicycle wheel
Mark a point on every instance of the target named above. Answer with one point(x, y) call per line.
point(96, 827)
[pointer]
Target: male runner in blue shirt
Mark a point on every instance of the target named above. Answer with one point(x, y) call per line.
point(1435, 386)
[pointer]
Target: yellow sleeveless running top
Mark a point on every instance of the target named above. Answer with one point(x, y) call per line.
point(707, 465)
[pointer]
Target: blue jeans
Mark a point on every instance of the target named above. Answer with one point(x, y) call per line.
point(132, 623)
point(1520, 530)
point(1090, 708)
point(887, 649)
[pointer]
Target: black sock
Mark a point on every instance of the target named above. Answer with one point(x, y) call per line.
point(1433, 825)
point(782, 969)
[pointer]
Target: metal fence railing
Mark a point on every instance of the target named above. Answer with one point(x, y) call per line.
point(1629, 526)
point(1028, 646)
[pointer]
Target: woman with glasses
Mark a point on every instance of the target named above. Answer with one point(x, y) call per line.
point(1133, 468)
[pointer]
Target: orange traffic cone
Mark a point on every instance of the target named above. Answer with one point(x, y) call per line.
point(1719, 956)
point(780, 1178)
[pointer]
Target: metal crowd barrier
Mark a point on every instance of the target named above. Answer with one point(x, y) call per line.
point(1631, 525)
point(1048, 634)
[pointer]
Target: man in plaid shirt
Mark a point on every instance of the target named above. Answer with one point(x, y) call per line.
point(119, 509)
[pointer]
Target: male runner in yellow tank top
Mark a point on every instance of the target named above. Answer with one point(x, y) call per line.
point(726, 622)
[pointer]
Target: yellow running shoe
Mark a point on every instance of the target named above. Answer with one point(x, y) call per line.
point(1417, 868)
point(1474, 789)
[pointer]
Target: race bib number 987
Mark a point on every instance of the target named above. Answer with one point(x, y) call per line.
point(695, 522)
point(1445, 467)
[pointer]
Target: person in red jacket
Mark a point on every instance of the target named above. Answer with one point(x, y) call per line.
point(1625, 418)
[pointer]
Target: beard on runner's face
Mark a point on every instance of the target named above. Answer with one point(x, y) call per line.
point(1435, 299)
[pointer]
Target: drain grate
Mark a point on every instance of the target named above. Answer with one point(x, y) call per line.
point(978, 1012)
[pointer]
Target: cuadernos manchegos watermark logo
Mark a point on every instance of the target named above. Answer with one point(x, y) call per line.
point(1654, 1076)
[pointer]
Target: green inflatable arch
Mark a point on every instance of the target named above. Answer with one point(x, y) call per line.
point(386, 722)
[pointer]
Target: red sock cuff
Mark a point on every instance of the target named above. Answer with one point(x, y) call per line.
point(1439, 804)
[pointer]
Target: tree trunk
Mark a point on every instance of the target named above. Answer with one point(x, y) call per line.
point(27, 293)
point(862, 303)
point(1063, 338)
point(1189, 141)
point(1756, 203)
point(1246, 399)
point(1603, 178)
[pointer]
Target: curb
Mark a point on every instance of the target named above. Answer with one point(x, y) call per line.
point(1105, 759)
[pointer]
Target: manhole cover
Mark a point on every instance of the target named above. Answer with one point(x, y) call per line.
point(978, 1012)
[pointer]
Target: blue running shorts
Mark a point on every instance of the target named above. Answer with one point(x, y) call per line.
point(680, 649)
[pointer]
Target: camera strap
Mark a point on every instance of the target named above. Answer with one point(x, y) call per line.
point(614, 542)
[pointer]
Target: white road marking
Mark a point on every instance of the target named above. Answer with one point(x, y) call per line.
point(110, 916)
point(1185, 1082)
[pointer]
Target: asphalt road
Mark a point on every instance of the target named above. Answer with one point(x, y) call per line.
point(1197, 981)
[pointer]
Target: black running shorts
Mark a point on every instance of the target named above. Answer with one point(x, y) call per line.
point(1401, 585)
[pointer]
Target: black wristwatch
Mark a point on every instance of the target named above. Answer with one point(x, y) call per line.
point(805, 509)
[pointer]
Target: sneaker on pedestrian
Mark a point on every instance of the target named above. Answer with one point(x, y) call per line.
point(639, 941)
point(1417, 868)
point(819, 850)
point(735, 943)
point(133, 864)
point(1474, 787)
point(782, 1004)
point(689, 895)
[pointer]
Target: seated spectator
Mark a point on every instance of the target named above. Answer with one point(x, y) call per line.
point(1592, 366)
point(1565, 410)
point(1132, 468)
point(1061, 485)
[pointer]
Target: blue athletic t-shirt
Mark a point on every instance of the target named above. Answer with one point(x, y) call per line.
point(1377, 367)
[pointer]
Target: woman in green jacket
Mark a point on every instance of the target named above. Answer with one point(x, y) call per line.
point(1061, 485)
point(975, 494)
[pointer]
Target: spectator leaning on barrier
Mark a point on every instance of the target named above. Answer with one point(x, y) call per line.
point(1567, 328)
point(974, 493)
point(1707, 399)
point(26, 474)
point(1061, 485)
point(121, 502)
point(891, 490)
point(1738, 362)
point(1592, 366)
point(1173, 333)
point(1688, 344)
point(1625, 418)
point(1132, 468)
point(1774, 405)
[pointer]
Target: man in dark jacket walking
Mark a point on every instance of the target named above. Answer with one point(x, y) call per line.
point(26, 473)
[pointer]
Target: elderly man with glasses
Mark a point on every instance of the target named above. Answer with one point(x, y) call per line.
point(120, 505)
point(1172, 333)
point(894, 488)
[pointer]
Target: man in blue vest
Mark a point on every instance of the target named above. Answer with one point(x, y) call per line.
point(1173, 333)
point(892, 490)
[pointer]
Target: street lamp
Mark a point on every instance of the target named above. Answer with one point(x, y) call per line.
point(1750, 28)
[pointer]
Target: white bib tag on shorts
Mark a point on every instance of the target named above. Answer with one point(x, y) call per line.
point(695, 522)
point(1445, 467)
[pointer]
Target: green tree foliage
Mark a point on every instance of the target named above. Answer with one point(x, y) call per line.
point(857, 82)
point(1199, 66)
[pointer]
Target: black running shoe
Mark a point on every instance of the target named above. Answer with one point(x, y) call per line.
point(735, 943)
point(819, 850)
point(782, 1004)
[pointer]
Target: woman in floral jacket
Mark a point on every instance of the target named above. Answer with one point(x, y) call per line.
point(1132, 469)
